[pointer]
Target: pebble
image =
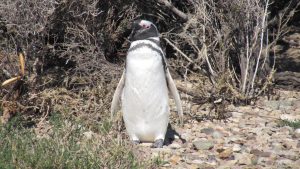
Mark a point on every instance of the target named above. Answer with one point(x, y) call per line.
point(297, 133)
point(88, 134)
point(226, 153)
point(236, 148)
point(207, 131)
point(243, 159)
point(250, 138)
point(175, 146)
point(175, 159)
point(260, 153)
point(203, 145)
point(217, 135)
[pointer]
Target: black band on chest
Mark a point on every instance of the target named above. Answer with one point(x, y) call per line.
point(142, 44)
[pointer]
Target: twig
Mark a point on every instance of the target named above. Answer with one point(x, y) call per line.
point(261, 43)
point(179, 51)
point(179, 13)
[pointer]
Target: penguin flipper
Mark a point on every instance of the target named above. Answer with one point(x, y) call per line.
point(115, 104)
point(173, 90)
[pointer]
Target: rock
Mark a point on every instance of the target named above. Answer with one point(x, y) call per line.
point(236, 115)
point(260, 153)
point(279, 105)
point(272, 104)
point(236, 148)
point(207, 131)
point(289, 144)
point(286, 130)
point(289, 155)
point(88, 134)
point(175, 159)
point(244, 159)
point(145, 144)
point(284, 163)
point(286, 104)
point(228, 115)
point(217, 135)
point(154, 155)
point(298, 144)
point(198, 162)
point(235, 130)
point(175, 146)
point(271, 124)
point(203, 145)
point(186, 136)
point(226, 153)
point(297, 133)
point(276, 146)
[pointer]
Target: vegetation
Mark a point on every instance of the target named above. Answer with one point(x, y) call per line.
point(74, 55)
point(293, 124)
point(62, 143)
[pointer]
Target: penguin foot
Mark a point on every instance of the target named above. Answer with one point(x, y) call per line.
point(158, 143)
point(136, 142)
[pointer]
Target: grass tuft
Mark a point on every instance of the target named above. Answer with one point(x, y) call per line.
point(294, 124)
point(65, 145)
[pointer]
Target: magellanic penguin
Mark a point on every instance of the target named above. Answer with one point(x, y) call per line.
point(144, 87)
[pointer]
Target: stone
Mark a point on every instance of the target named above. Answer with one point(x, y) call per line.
point(284, 163)
point(203, 145)
point(285, 104)
point(236, 148)
point(279, 105)
point(276, 146)
point(271, 124)
point(260, 153)
point(226, 153)
point(297, 133)
point(198, 161)
point(289, 155)
point(207, 131)
point(88, 134)
point(217, 134)
point(145, 144)
point(186, 136)
point(272, 104)
point(155, 154)
point(175, 146)
point(244, 159)
point(175, 159)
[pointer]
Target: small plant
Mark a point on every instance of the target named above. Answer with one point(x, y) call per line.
point(294, 124)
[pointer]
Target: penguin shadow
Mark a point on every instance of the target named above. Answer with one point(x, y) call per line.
point(171, 134)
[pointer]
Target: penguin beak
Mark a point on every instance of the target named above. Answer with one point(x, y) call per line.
point(135, 27)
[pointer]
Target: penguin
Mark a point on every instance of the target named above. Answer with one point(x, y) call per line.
point(144, 87)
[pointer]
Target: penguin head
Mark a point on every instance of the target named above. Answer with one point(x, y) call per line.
point(143, 29)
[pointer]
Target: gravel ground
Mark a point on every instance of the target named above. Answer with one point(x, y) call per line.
point(251, 137)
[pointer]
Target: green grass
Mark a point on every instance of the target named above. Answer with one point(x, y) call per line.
point(64, 147)
point(293, 124)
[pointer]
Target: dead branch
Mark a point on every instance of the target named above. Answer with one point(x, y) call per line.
point(179, 13)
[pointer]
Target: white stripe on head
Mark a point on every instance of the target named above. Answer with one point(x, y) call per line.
point(148, 23)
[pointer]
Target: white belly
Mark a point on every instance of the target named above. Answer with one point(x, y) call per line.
point(145, 102)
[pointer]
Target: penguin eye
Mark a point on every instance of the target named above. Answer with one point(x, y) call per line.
point(145, 26)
